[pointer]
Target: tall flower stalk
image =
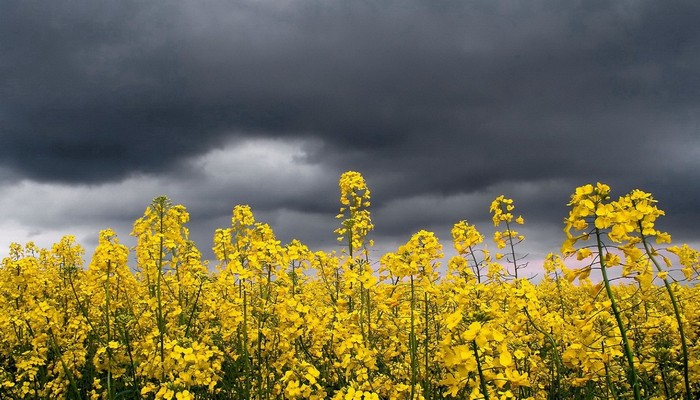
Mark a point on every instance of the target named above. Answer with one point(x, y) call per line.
point(160, 234)
point(637, 214)
point(502, 210)
point(591, 203)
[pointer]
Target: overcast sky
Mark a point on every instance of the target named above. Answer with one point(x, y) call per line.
point(441, 105)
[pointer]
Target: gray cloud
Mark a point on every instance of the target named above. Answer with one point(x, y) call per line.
point(436, 103)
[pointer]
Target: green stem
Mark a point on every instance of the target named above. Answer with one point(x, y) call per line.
point(512, 250)
point(246, 354)
point(369, 303)
point(351, 306)
point(294, 279)
point(631, 370)
point(81, 306)
point(608, 381)
point(66, 370)
point(482, 380)
point(127, 340)
point(676, 312)
point(477, 269)
point(412, 342)
point(369, 315)
point(194, 308)
point(559, 365)
point(109, 333)
point(426, 385)
point(159, 314)
point(361, 312)
point(560, 296)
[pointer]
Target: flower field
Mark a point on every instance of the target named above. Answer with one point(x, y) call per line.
point(274, 321)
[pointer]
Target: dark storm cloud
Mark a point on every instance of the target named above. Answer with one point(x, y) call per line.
point(423, 97)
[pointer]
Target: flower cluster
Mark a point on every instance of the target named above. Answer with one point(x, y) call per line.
point(356, 220)
point(501, 209)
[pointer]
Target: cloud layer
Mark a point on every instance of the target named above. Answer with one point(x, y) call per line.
point(442, 106)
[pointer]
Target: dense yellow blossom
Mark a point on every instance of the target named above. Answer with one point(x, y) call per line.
point(272, 320)
point(356, 221)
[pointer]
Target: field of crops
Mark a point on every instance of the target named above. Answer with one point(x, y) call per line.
point(274, 321)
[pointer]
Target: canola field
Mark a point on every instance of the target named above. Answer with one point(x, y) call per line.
point(282, 321)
